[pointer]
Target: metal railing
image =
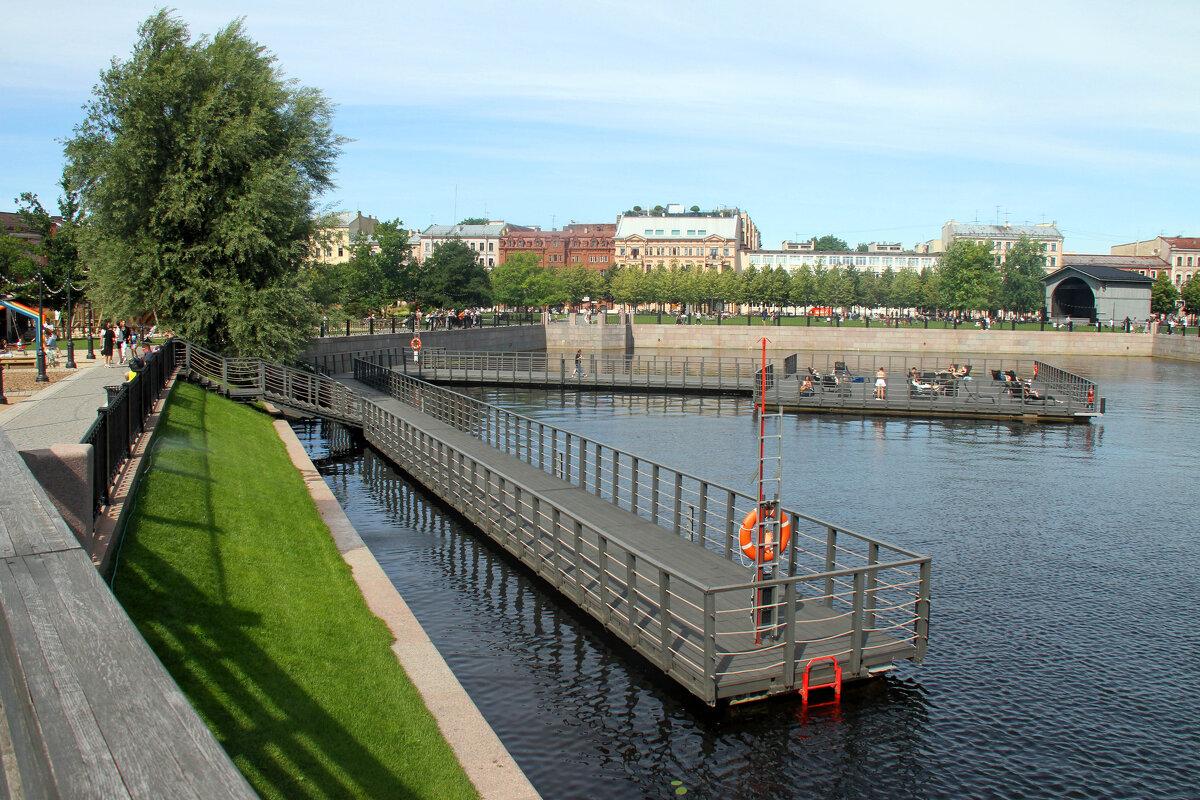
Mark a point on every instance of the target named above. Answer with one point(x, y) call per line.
point(370, 326)
point(705, 373)
point(119, 423)
point(256, 377)
point(1075, 389)
point(873, 596)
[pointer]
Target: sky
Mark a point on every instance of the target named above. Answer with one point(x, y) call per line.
point(870, 121)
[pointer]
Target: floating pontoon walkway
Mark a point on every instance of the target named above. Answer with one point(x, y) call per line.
point(648, 551)
point(1046, 394)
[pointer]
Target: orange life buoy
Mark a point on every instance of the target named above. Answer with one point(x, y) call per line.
point(1035, 369)
point(746, 536)
point(416, 343)
point(1091, 395)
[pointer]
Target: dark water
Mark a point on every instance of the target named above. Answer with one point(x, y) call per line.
point(1064, 658)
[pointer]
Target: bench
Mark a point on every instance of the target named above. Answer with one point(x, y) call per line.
point(18, 362)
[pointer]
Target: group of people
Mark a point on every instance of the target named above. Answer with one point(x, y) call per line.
point(119, 340)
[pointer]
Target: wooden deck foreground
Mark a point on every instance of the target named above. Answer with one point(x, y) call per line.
point(86, 709)
point(647, 585)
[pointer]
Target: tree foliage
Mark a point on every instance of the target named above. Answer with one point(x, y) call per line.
point(1190, 292)
point(966, 275)
point(454, 278)
point(830, 244)
point(378, 272)
point(197, 166)
point(474, 221)
point(513, 281)
point(1021, 288)
point(1164, 297)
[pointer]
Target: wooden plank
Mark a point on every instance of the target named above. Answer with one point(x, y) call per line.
point(79, 759)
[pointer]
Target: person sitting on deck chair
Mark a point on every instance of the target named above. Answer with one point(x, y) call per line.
point(806, 388)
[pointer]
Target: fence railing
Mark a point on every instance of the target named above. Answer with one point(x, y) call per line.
point(122, 420)
point(371, 326)
point(706, 372)
point(256, 377)
point(879, 591)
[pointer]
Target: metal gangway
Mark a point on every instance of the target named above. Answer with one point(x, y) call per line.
point(653, 553)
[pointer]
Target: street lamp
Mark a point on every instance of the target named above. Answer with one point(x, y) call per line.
point(70, 333)
point(91, 353)
point(41, 353)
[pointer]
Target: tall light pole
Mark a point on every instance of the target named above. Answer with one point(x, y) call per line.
point(70, 333)
point(41, 353)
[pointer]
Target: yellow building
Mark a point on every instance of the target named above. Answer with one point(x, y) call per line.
point(1004, 237)
point(332, 244)
point(713, 240)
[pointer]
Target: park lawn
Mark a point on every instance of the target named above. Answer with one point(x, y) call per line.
point(233, 579)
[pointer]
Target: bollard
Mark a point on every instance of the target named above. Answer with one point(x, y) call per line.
point(1014, 324)
point(1043, 325)
point(347, 326)
point(867, 321)
point(1070, 325)
point(371, 326)
point(926, 324)
point(807, 321)
point(3, 399)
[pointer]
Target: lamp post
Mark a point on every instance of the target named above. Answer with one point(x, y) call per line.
point(70, 332)
point(41, 353)
point(91, 354)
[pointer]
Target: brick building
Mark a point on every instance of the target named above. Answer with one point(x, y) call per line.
point(589, 244)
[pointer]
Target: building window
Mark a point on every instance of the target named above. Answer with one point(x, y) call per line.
point(658, 232)
point(491, 262)
point(340, 253)
point(691, 233)
point(701, 232)
point(1053, 246)
point(1179, 261)
point(675, 233)
point(622, 251)
point(649, 232)
point(1189, 261)
point(1053, 261)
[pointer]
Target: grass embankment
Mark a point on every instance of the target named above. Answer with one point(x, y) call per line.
point(234, 580)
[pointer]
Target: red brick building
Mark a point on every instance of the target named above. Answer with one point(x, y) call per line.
point(587, 243)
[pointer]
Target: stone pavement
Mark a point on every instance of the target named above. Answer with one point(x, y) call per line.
point(62, 412)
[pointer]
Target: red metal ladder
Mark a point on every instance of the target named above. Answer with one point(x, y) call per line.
point(835, 684)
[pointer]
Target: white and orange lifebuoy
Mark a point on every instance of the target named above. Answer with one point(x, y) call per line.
point(746, 536)
point(415, 344)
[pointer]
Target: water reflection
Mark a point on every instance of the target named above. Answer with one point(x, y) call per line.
point(1065, 562)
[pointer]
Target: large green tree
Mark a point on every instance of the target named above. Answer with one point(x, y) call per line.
point(1164, 297)
point(1021, 288)
point(1190, 292)
point(513, 281)
point(198, 164)
point(454, 278)
point(967, 276)
point(378, 272)
point(830, 244)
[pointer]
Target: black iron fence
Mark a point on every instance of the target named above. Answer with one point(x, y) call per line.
point(447, 321)
point(119, 423)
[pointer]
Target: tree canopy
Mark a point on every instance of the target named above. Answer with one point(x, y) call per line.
point(1164, 296)
point(453, 278)
point(197, 166)
point(1190, 292)
point(1021, 288)
point(967, 276)
point(474, 221)
point(830, 244)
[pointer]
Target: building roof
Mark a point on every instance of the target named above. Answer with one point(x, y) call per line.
point(1182, 243)
point(466, 231)
point(1101, 273)
point(975, 230)
point(724, 227)
point(1120, 262)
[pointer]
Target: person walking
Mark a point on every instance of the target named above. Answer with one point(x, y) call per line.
point(881, 385)
point(107, 340)
point(579, 363)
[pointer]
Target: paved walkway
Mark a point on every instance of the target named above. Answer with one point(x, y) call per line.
point(62, 412)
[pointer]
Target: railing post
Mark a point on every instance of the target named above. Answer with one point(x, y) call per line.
point(857, 633)
point(789, 634)
point(921, 639)
point(830, 562)
point(602, 565)
point(664, 618)
point(654, 494)
point(677, 512)
point(710, 644)
point(729, 523)
point(631, 596)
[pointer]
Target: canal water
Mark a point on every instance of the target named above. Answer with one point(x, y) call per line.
point(1064, 655)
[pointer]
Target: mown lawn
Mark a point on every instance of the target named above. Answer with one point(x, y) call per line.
point(232, 577)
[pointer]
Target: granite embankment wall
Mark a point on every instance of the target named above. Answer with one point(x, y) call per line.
point(875, 340)
point(336, 354)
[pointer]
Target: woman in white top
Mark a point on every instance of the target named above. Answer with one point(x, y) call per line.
point(881, 385)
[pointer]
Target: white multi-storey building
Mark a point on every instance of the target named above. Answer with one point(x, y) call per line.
point(1003, 237)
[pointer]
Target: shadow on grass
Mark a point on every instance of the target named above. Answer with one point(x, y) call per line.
point(276, 733)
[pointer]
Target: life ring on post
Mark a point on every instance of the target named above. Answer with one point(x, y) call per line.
point(1091, 395)
point(746, 536)
point(1035, 369)
point(415, 344)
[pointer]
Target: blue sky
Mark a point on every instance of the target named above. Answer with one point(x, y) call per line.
point(871, 121)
